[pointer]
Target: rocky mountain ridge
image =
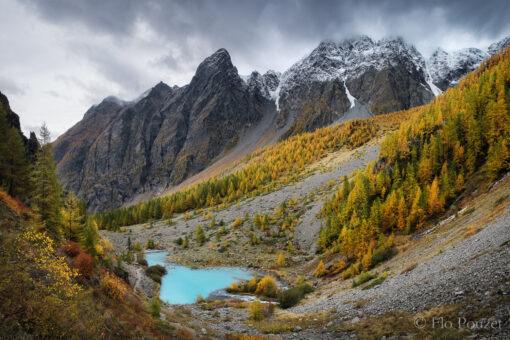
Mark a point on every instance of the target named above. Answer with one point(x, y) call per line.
point(123, 149)
point(446, 69)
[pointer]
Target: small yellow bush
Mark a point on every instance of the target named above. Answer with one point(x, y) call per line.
point(113, 286)
point(320, 270)
point(267, 287)
point(234, 287)
point(281, 260)
point(237, 222)
point(256, 310)
point(338, 267)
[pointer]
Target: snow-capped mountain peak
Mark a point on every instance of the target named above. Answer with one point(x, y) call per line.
point(446, 69)
point(498, 46)
point(350, 58)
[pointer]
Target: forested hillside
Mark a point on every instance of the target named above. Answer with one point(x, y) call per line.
point(423, 166)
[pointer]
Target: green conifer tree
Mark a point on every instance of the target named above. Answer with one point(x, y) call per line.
point(46, 195)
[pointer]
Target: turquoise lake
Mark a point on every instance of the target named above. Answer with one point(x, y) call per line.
point(181, 284)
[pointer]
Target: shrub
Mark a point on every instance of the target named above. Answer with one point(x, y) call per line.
point(254, 240)
point(290, 297)
point(319, 271)
point(256, 310)
point(199, 298)
point(352, 271)
point(200, 235)
point(13, 203)
point(376, 282)
point(156, 272)
point(112, 286)
point(142, 262)
point(179, 241)
point(281, 260)
point(364, 277)
point(150, 244)
point(137, 246)
point(267, 287)
point(233, 288)
point(85, 264)
point(381, 256)
point(251, 286)
point(237, 222)
point(72, 249)
point(155, 307)
point(184, 334)
point(338, 267)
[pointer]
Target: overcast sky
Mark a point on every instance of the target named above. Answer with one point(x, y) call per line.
point(59, 57)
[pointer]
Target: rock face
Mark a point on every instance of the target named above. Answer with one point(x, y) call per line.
point(121, 149)
point(31, 143)
point(446, 69)
point(385, 76)
point(498, 46)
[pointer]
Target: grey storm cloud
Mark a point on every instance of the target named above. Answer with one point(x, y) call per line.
point(242, 23)
point(253, 31)
point(91, 49)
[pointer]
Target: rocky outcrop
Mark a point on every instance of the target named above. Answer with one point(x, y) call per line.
point(31, 143)
point(121, 149)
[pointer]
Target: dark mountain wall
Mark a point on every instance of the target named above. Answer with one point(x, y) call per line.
point(123, 149)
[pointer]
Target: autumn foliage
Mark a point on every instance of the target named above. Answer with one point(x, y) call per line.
point(265, 170)
point(84, 263)
point(114, 287)
point(423, 165)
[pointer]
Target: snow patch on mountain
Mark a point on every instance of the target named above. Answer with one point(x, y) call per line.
point(352, 100)
point(435, 90)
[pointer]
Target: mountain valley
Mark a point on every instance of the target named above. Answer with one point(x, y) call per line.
point(363, 193)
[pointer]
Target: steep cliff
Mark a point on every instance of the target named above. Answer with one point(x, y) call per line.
point(121, 149)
